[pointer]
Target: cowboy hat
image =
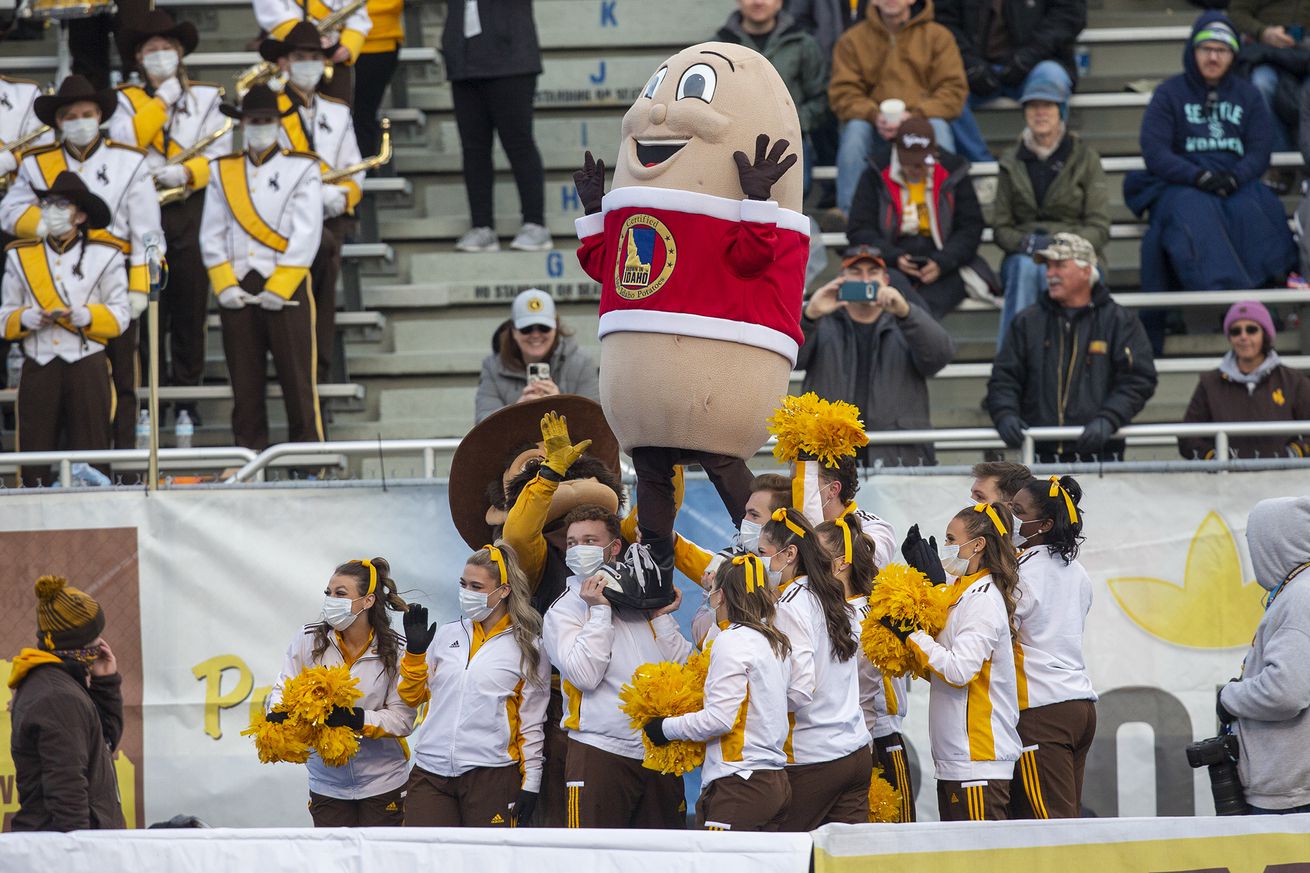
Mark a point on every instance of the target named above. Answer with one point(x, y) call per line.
point(70, 187)
point(73, 89)
point(156, 22)
point(303, 37)
point(259, 100)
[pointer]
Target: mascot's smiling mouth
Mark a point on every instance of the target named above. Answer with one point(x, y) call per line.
point(652, 153)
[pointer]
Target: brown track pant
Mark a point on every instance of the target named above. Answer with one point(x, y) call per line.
point(481, 798)
point(74, 399)
point(380, 811)
point(833, 791)
point(975, 800)
point(610, 791)
point(890, 752)
point(732, 803)
point(125, 367)
point(1048, 780)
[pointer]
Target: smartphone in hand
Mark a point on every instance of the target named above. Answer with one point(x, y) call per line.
point(858, 292)
point(538, 372)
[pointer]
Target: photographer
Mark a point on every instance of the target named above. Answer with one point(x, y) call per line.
point(1270, 705)
point(873, 345)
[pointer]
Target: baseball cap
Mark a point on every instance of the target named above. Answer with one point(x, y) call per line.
point(915, 141)
point(533, 306)
point(1066, 247)
point(855, 254)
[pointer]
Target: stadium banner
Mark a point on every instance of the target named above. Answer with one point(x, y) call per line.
point(205, 588)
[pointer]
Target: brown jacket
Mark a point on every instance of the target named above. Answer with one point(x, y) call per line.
point(65, 774)
point(919, 64)
point(1282, 395)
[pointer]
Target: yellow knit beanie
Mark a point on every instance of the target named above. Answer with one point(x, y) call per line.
point(66, 618)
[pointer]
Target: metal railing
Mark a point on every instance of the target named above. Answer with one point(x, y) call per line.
point(169, 459)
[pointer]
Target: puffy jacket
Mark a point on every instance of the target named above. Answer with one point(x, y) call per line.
point(918, 64)
point(797, 58)
point(507, 45)
point(571, 368)
point(1077, 201)
point(1274, 392)
point(1038, 30)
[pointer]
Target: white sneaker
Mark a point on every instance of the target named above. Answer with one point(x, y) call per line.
point(479, 239)
point(533, 238)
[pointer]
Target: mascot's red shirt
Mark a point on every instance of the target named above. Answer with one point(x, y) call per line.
point(693, 264)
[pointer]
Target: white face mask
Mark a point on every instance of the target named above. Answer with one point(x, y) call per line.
point(1017, 538)
point(259, 137)
point(58, 219)
point(337, 612)
point(81, 132)
point(775, 576)
point(952, 562)
point(748, 535)
point(161, 64)
point(306, 75)
point(584, 561)
point(474, 604)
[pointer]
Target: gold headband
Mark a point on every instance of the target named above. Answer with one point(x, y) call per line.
point(848, 552)
point(498, 558)
point(783, 516)
point(1057, 488)
point(991, 513)
point(756, 573)
point(372, 576)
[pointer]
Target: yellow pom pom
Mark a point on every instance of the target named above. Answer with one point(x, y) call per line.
point(286, 741)
point(660, 691)
point(884, 800)
point(809, 426)
point(48, 587)
point(312, 695)
point(336, 745)
point(906, 595)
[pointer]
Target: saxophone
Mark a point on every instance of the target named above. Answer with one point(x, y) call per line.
point(261, 72)
point(382, 157)
point(181, 192)
point(16, 147)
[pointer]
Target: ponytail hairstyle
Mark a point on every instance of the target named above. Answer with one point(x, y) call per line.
point(371, 577)
point(789, 527)
point(1057, 500)
point(844, 537)
point(744, 581)
point(502, 562)
point(993, 524)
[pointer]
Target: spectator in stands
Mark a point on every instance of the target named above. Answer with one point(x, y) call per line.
point(1075, 358)
point(877, 354)
point(374, 68)
point(920, 211)
point(492, 68)
point(1009, 46)
point(897, 52)
point(1206, 141)
point(1275, 26)
point(533, 335)
point(997, 481)
point(1251, 384)
point(1051, 181)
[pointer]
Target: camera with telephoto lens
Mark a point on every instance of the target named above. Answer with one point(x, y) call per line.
point(1219, 754)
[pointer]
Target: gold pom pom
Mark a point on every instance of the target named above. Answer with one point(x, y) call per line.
point(307, 700)
point(809, 426)
point(884, 800)
point(311, 696)
point(336, 745)
point(48, 587)
point(906, 595)
point(276, 742)
point(660, 691)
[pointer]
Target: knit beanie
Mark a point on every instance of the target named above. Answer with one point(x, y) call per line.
point(1251, 310)
point(66, 618)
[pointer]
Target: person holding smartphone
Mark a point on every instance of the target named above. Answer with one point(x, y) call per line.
point(874, 345)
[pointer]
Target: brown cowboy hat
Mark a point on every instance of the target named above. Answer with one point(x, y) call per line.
point(486, 451)
point(70, 187)
point(259, 100)
point(156, 22)
point(72, 90)
point(303, 37)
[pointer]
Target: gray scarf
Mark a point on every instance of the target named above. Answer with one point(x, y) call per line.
point(1228, 366)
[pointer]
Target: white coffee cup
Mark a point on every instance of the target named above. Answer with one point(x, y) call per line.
point(892, 110)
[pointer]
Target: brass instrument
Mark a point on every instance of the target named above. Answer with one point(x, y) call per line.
point(261, 72)
point(180, 192)
point(17, 147)
point(382, 157)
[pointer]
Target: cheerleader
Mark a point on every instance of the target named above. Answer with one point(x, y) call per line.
point(973, 706)
point(478, 753)
point(884, 699)
point(829, 761)
point(1057, 706)
point(369, 791)
point(744, 719)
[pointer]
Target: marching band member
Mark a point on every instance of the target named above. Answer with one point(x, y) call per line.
point(743, 722)
point(277, 17)
point(260, 228)
point(829, 759)
point(973, 708)
point(1057, 705)
point(166, 116)
point(17, 119)
point(355, 631)
point(64, 298)
point(486, 680)
point(322, 125)
point(119, 175)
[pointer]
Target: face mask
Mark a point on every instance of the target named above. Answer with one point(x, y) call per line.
point(1018, 539)
point(952, 563)
point(81, 132)
point(748, 535)
point(260, 137)
point(161, 64)
point(584, 561)
point(775, 576)
point(306, 75)
point(58, 219)
point(337, 612)
point(474, 604)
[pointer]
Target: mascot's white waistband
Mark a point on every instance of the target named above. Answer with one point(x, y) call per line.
point(703, 326)
point(763, 211)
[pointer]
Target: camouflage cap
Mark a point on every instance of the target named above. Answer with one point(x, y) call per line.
point(1066, 247)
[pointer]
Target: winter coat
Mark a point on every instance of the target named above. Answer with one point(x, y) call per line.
point(826, 20)
point(1076, 202)
point(63, 735)
point(1251, 17)
point(507, 45)
point(1038, 30)
point(1057, 368)
point(907, 352)
point(797, 58)
point(571, 368)
point(1272, 393)
point(919, 64)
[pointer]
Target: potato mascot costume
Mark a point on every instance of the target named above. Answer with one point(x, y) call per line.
point(700, 248)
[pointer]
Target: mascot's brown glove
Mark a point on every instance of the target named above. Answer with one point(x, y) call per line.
point(759, 178)
point(590, 182)
point(560, 451)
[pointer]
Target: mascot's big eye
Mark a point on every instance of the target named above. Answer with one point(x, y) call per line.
point(653, 85)
point(698, 82)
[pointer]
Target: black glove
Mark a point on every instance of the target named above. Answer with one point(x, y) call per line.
point(894, 626)
point(1227, 185)
point(524, 805)
point(655, 730)
point(1096, 433)
point(418, 633)
point(1034, 242)
point(922, 556)
point(1011, 429)
point(1013, 74)
point(1225, 717)
point(590, 182)
point(758, 179)
point(1208, 181)
point(276, 717)
point(983, 80)
point(340, 716)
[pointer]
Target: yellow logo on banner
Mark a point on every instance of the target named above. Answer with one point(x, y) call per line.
point(1213, 608)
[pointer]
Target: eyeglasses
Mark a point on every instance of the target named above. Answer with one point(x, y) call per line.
point(535, 328)
point(54, 201)
point(1248, 329)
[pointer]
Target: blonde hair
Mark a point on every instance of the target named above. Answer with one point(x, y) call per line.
point(525, 621)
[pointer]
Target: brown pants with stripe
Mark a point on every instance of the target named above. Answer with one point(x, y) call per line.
point(73, 399)
point(610, 791)
point(833, 791)
point(1048, 780)
point(249, 336)
point(732, 803)
point(379, 811)
point(890, 754)
point(976, 800)
point(481, 798)
point(125, 366)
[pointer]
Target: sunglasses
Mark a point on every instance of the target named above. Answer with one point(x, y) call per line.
point(535, 328)
point(1248, 329)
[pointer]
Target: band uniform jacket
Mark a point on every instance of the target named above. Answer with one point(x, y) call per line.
point(17, 117)
point(143, 119)
point(326, 127)
point(277, 17)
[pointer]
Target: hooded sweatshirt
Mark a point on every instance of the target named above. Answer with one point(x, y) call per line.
point(1272, 699)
